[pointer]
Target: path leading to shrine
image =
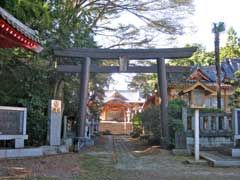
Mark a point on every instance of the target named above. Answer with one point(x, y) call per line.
point(113, 158)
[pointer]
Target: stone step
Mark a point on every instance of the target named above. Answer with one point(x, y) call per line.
point(116, 128)
point(217, 160)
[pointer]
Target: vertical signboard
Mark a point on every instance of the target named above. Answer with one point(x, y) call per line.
point(55, 121)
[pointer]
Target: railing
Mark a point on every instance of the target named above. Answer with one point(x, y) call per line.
point(210, 124)
point(215, 130)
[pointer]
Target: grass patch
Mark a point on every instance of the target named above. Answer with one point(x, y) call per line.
point(93, 169)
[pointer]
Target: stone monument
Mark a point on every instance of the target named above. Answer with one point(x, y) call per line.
point(13, 124)
point(54, 122)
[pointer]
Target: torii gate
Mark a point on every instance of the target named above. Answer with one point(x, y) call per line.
point(123, 55)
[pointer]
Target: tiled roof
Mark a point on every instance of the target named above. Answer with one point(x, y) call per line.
point(178, 77)
point(229, 67)
point(18, 25)
point(210, 72)
point(127, 95)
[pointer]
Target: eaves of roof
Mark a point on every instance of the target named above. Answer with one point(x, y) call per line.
point(19, 26)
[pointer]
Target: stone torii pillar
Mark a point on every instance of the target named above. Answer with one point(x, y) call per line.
point(162, 82)
point(83, 98)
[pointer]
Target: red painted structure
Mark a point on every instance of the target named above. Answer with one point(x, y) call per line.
point(14, 33)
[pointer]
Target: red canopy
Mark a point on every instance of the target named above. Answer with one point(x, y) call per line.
point(14, 34)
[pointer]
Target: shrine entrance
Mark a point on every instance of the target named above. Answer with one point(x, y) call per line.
point(118, 110)
point(87, 56)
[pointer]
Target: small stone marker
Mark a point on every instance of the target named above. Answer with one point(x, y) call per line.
point(55, 121)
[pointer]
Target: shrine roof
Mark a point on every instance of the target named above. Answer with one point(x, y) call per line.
point(16, 34)
point(205, 74)
point(209, 72)
point(197, 85)
point(123, 95)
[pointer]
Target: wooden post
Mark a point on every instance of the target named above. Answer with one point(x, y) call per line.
point(162, 82)
point(225, 100)
point(83, 96)
point(105, 114)
point(196, 135)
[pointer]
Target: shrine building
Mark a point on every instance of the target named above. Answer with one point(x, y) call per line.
point(118, 110)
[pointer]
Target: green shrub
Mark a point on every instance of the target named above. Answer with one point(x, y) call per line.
point(175, 118)
point(137, 126)
point(136, 121)
point(151, 121)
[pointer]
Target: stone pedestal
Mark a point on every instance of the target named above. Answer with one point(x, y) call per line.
point(18, 139)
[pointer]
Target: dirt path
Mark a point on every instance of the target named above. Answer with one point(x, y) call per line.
point(154, 163)
point(113, 158)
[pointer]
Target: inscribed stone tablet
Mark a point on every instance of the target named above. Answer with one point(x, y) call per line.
point(10, 122)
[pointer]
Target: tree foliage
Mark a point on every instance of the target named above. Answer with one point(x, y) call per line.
point(232, 47)
point(144, 82)
point(153, 17)
point(30, 80)
point(200, 57)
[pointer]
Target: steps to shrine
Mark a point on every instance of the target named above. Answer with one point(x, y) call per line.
point(115, 127)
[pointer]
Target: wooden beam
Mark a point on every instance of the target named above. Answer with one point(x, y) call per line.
point(168, 53)
point(115, 69)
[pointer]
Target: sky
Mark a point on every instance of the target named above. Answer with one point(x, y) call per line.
point(206, 12)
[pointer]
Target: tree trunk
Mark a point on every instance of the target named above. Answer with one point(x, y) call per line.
point(217, 61)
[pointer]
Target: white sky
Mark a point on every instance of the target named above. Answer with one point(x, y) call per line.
point(206, 12)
